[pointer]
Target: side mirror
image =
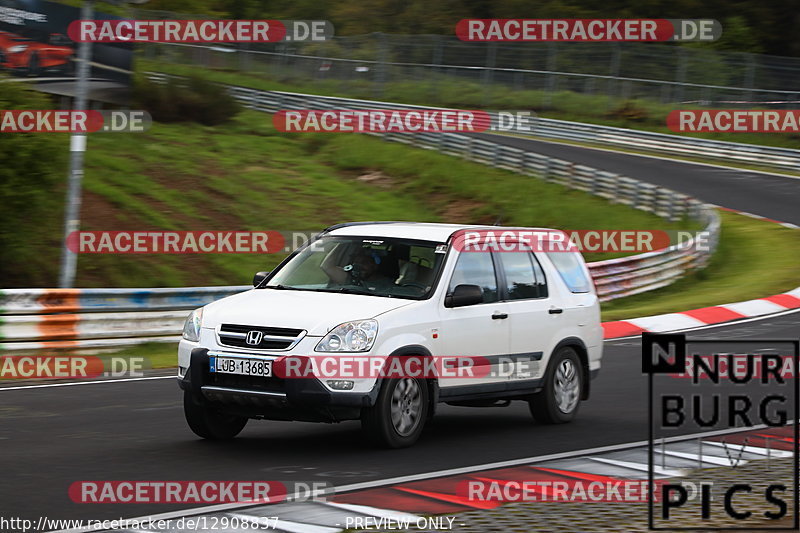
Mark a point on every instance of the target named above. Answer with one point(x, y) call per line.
point(464, 295)
point(259, 277)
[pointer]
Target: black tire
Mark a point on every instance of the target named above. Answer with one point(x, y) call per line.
point(33, 66)
point(560, 398)
point(399, 414)
point(209, 423)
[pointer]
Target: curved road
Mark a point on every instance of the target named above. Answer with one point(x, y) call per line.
point(768, 195)
point(52, 437)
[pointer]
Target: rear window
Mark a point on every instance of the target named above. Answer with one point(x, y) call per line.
point(570, 268)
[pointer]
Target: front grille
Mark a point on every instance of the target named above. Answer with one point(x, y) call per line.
point(270, 338)
point(235, 381)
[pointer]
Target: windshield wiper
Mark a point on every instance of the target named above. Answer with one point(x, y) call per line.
point(351, 290)
point(283, 288)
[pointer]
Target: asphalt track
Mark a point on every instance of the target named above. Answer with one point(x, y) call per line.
point(52, 437)
point(768, 195)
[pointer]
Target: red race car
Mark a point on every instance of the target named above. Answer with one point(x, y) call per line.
point(31, 57)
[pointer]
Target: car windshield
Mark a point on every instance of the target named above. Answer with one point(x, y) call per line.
point(377, 266)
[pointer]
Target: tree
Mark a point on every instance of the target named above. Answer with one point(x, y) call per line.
point(34, 166)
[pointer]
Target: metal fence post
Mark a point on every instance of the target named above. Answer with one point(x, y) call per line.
point(437, 62)
point(488, 72)
point(750, 77)
point(77, 147)
point(680, 74)
point(552, 58)
point(380, 66)
point(614, 71)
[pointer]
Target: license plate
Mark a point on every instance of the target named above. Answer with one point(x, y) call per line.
point(245, 367)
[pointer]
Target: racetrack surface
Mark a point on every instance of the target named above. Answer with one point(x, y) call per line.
point(767, 195)
point(52, 437)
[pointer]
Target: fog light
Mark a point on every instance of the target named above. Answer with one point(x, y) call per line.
point(340, 384)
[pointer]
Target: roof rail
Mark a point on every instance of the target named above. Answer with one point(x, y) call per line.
point(364, 223)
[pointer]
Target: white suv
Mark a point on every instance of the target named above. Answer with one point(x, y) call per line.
point(527, 322)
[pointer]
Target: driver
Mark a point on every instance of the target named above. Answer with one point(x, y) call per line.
point(362, 271)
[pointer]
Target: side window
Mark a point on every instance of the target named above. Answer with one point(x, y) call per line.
point(524, 276)
point(475, 268)
point(570, 268)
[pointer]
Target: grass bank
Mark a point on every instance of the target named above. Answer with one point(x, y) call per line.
point(247, 176)
point(754, 259)
point(448, 91)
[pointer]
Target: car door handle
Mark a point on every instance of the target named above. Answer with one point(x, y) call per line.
point(555, 311)
point(499, 316)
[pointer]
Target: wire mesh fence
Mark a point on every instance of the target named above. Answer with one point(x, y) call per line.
point(440, 68)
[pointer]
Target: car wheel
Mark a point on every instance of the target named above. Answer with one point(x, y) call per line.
point(209, 423)
point(398, 416)
point(559, 399)
point(33, 65)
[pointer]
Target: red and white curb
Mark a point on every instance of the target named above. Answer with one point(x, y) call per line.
point(410, 499)
point(704, 316)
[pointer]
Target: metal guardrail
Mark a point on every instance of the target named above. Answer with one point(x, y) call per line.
point(665, 144)
point(42, 319)
point(644, 141)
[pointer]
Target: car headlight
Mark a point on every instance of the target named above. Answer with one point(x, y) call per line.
point(356, 336)
point(18, 48)
point(191, 328)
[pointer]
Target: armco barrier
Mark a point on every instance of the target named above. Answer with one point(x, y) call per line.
point(666, 144)
point(638, 140)
point(37, 301)
point(41, 319)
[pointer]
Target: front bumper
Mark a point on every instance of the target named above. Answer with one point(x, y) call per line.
point(271, 398)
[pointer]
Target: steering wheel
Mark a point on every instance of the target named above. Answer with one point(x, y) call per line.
point(422, 287)
point(353, 274)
